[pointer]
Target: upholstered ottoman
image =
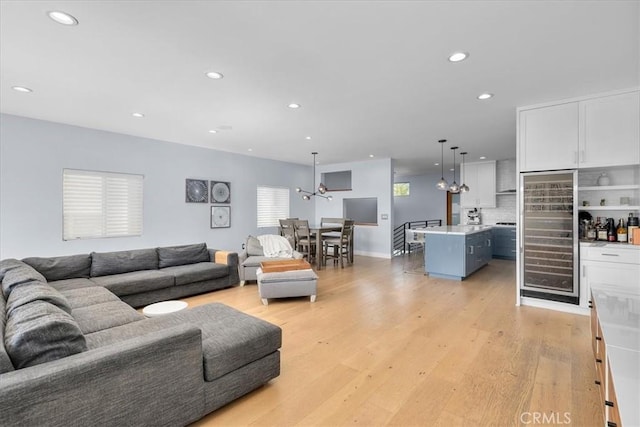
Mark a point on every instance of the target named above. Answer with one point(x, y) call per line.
point(286, 284)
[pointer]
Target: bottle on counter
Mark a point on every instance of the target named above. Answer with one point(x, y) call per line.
point(601, 230)
point(590, 231)
point(621, 231)
point(632, 223)
point(611, 230)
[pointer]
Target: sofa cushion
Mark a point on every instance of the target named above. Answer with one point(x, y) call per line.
point(8, 264)
point(253, 247)
point(18, 275)
point(230, 338)
point(135, 282)
point(40, 332)
point(104, 316)
point(62, 267)
point(187, 274)
point(107, 263)
point(84, 297)
point(35, 291)
point(181, 255)
point(67, 284)
point(5, 361)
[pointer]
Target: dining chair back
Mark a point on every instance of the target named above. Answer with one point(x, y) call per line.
point(342, 246)
point(287, 230)
point(306, 242)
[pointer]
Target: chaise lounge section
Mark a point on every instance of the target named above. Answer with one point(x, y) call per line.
point(76, 354)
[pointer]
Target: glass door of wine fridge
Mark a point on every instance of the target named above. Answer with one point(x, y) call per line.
point(549, 236)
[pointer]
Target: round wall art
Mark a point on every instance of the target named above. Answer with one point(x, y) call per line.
point(220, 192)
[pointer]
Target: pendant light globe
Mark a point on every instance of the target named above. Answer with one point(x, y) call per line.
point(454, 187)
point(442, 184)
point(464, 187)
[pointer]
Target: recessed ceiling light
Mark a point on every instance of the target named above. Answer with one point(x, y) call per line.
point(436, 164)
point(138, 115)
point(484, 96)
point(250, 149)
point(214, 75)
point(458, 56)
point(482, 157)
point(294, 105)
point(62, 18)
point(371, 155)
point(452, 169)
point(22, 89)
point(213, 131)
point(307, 137)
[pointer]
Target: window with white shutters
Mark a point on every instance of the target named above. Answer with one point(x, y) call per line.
point(101, 204)
point(273, 204)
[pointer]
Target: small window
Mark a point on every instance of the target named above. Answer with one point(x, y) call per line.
point(273, 205)
point(401, 189)
point(101, 204)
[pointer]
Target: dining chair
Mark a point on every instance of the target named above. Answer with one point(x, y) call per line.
point(341, 246)
point(287, 230)
point(306, 242)
point(337, 222)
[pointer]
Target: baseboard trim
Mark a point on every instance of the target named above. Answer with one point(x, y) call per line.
point(553, 305)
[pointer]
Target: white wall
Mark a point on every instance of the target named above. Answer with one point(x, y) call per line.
point(371, 178)
point(424, 201)
point(34, 152)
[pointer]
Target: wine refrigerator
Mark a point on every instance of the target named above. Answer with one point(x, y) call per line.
point(549, 236)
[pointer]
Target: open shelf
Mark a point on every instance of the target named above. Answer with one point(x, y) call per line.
point(609, 208)
point(609, 187)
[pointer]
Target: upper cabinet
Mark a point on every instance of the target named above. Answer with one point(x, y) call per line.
point(481, 179)
point(611, 130)
point(594, 132)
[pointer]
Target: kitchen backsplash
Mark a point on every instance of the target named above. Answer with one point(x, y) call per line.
point(506, 179)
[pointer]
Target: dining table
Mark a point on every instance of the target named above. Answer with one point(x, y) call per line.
point(317, 231)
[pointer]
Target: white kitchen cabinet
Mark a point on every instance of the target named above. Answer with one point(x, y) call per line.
point(592, 132)
point(481, 179)
point(611, 130)
point(549, 138)
point(602, 263)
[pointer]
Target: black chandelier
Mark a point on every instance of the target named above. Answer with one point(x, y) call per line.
point(321, 188)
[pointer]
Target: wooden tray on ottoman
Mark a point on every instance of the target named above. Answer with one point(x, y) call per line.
point(284, 265)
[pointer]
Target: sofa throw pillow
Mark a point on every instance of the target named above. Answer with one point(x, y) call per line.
point(36, 291)
point(107, 263)
point(62, 267)
point(40, 332)
point(254, 248)
point(182, 255)
point(22, 273)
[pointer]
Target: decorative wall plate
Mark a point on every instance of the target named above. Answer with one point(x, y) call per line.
point(220, 192)
point(220, 216)
point(196, 191)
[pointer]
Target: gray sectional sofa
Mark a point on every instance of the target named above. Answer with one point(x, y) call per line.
point(72, 352)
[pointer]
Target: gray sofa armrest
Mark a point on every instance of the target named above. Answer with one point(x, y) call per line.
point(229, 258)
point(155, 379)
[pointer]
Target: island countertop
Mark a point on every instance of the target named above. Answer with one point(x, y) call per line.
point(460, 230)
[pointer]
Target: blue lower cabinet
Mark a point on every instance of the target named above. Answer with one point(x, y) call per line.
point(504, 243)
point(456, 256)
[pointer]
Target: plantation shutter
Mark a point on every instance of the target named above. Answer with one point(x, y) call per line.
point(101, 204)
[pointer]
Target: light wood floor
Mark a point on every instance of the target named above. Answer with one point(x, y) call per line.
point(385, 347)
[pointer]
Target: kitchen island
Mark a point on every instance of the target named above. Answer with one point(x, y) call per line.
point(456, 251)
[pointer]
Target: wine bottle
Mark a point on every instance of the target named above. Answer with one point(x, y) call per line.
point(602, 230)
point(611, 230)
point(622, 231)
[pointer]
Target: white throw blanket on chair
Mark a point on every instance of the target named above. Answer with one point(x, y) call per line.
point(275, 246)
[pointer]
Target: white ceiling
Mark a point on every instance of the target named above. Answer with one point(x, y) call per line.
point(372, 76)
